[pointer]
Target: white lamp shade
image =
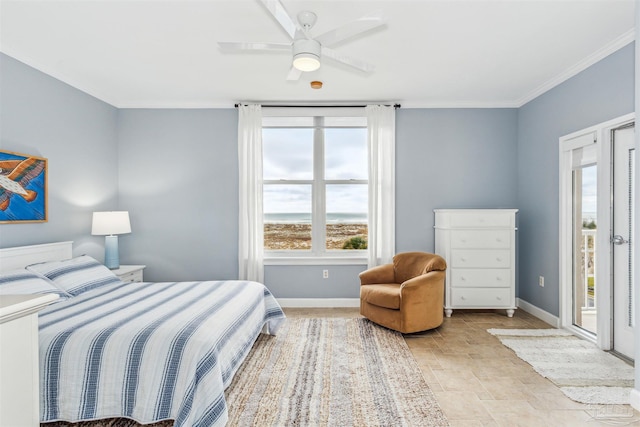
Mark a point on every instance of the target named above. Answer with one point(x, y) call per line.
point(110, 223)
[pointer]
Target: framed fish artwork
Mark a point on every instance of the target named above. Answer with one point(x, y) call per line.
point(23, 188)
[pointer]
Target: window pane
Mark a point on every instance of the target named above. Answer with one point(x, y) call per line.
point(287, 217)
point(345, 153)
point(287, 153)
point(347, 207)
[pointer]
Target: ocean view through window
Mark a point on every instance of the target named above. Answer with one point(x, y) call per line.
point(315, 187)
point(293, 230)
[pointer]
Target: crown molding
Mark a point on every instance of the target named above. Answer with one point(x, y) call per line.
point(598, 55)
point(460, 104)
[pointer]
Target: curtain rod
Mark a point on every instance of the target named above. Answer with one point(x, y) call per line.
point(319, 106)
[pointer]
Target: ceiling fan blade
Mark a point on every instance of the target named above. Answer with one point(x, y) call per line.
point(253, 46)
point(294, 74)
point(348, 60)
point(282, 16)
point(352, 29)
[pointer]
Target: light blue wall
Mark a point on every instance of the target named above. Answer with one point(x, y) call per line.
point(176, 172)
point(179, 182)
point(42, 116)
point(451, 158)
point(444, 158)
point(601, 92)
point(305, 281)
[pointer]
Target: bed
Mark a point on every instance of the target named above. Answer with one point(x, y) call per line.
point(144, 351)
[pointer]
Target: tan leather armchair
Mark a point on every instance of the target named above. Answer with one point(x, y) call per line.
point(408, 295)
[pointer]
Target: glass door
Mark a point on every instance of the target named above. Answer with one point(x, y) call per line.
point(597, 175)
point(585, 222)
point(579, 232)
point(621, 240)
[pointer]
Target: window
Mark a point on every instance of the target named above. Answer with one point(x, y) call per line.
point(315, 187)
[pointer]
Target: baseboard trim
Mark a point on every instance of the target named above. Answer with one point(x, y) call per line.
point(538, 312)
point(318, 302)
point(355, 302)
point(634, 399)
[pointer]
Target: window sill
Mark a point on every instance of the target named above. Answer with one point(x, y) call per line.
point(293, 260)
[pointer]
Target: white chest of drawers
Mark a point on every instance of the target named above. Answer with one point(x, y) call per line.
point(479, 247)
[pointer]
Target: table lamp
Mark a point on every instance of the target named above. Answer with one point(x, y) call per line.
point(109, 225)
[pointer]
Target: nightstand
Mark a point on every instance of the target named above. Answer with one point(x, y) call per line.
point(129, 273)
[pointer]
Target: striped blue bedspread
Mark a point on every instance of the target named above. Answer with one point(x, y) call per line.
point(150, 351)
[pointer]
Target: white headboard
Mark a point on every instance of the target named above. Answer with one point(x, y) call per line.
point(21, 256)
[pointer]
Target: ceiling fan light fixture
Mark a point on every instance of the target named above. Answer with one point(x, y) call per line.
point(306, 62)
point(306, 54)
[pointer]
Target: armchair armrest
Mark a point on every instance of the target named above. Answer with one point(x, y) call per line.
point(422, 280)
point(428, 286)
point(379, 274)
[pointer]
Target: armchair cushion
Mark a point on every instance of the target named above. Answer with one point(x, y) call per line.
point(382, 295)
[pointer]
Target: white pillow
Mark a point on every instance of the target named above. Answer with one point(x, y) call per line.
point(76, 275)
point(21, 282)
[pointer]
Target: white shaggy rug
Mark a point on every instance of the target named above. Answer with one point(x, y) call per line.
point(579, 368)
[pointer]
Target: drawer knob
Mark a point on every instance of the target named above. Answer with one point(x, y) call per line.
point(498, 279)
point(462, 278)
point(499, 298)
point(463, 259)
point(462, 298)
point(498, 259)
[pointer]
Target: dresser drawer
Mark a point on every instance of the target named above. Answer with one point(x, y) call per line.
point(479, 258)
point(480, 219)
point(480, 278)
point(481, 298)
point(489, 239)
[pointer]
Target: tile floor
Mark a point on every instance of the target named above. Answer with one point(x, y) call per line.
point(479, 382)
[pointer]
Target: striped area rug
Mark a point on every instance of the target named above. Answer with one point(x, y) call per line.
point(331, 372)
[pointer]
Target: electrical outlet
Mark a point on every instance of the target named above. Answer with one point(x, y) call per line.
point(541, 281)
point(325, 274)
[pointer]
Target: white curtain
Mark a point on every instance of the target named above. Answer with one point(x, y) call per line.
point(250, 239)
point(381, 126)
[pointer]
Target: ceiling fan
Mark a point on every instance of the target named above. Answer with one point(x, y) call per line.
point(305, 49)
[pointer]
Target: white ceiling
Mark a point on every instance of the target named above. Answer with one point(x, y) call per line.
point(447, 53)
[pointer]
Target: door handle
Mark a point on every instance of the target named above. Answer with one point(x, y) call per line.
point(618, 240)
